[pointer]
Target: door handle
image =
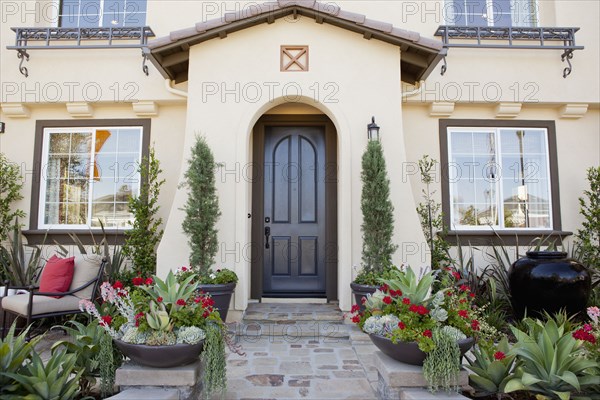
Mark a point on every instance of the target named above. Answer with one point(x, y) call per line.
point(267, 234)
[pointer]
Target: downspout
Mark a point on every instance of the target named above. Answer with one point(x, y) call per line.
point(171, 89)
point(417, 90)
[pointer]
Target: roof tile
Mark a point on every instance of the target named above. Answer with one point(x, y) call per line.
point(408, 35)
point(354, 17)
point(327, 8)
point(378, 25)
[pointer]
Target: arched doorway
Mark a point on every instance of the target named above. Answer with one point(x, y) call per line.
point(294, 207)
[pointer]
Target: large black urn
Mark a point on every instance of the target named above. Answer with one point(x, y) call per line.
point(548, 281)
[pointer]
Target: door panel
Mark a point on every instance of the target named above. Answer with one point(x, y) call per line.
point(294, 211)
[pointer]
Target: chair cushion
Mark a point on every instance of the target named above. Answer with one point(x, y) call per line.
point(41, 304)
point(57, 275)
point(86, 269)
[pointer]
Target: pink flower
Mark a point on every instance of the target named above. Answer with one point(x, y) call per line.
point(593, 313)
point(499, 355)
point(587, 328)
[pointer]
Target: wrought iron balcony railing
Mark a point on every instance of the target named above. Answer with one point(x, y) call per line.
point(79, 38)
point(512, 38)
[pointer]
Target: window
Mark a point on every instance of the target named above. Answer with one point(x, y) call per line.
point(499, 177)
point(102, 13)
point(87, 174)
point(518, 13)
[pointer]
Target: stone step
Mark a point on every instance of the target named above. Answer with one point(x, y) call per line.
point(316, 329)
point(423, 394)
point(147, 394)
point(293, 317)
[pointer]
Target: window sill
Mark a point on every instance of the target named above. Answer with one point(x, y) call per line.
point(506, 237)
point(87, 237)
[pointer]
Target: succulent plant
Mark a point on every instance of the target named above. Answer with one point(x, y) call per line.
point(158, 317)
point(190, 335)
point(453, 332)
point(134, 336)
point(161, 338)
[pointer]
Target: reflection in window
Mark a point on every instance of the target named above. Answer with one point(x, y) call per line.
point(89, 175)
point(102, 13)
point(504, 13)
point(499, 178)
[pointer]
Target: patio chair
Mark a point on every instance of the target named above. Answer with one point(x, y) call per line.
point(35, 305)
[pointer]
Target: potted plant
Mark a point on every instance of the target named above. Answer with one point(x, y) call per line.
point(202, 213)
point(410, 324)
point(378, 223)
point(164, 324)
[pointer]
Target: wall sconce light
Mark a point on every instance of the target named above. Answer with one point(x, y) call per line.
point(2, 127)
point(373, 130)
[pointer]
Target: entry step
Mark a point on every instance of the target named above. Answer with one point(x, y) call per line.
point(316, 329)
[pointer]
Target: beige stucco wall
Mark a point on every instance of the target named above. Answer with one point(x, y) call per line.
point(226, 121)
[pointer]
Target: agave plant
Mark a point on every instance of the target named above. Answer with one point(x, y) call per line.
point(22, 268)
point(15, 352)
point(551, 361)
point(158, 317)
point(51, 381)
point(411, 286)
point(491, 372)
point(170, 290)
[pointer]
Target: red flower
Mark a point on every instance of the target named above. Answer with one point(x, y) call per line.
point(149, 281)
point(384, 288)
point(137, 318)
point(387, 300)
point(205, 314)
point(422, 310)
point(159, 299)
point(184, 269)
point(461, 301)
point(355, 308)
point(427, 333)
point(181, 302)
point(356, 319)
point(587, 328)
point(464, 288)
point(413, 308)
point(137, 281)
point(406, 300)
point(208, 302)
point(456, 275)
point(449, 293)
point(197, 300)
point(463, 313)
point(475, 325)
point(472, 295)
point(395, 293)
point(499, 355)
point(581, 334)
point(401, 325)
point(363, 300)
point(118, 285)
point(106, 320)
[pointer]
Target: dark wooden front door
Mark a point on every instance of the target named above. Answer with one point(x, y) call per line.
point(294, 220)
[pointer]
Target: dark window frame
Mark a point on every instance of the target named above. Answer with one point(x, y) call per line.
point(505, 236)
point(40, 236)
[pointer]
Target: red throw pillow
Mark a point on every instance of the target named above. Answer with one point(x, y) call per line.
point(57, 275)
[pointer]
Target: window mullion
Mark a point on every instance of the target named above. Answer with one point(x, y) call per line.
point(499, 183)
point(91, 178)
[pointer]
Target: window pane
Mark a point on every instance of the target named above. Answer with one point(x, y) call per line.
point(107, 13)
point(524, 13)
point(526, 178)
point(103, 212)
point(467, 12)
point(501, 13)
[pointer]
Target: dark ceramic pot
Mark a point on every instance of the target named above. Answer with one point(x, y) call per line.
point(409, 352)
point(161, 356)
point(548, 281)
point(221, 294)
point(359, 291)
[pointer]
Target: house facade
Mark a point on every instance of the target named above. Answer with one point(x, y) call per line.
point(283, 92)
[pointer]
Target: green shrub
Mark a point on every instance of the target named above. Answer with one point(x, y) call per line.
point(11, 184)
point(491, 369)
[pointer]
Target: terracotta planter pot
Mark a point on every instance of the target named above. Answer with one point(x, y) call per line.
point(359, 291)
point(161, 356)
point(548, 281)
point(221, 294)
point(409, 352)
